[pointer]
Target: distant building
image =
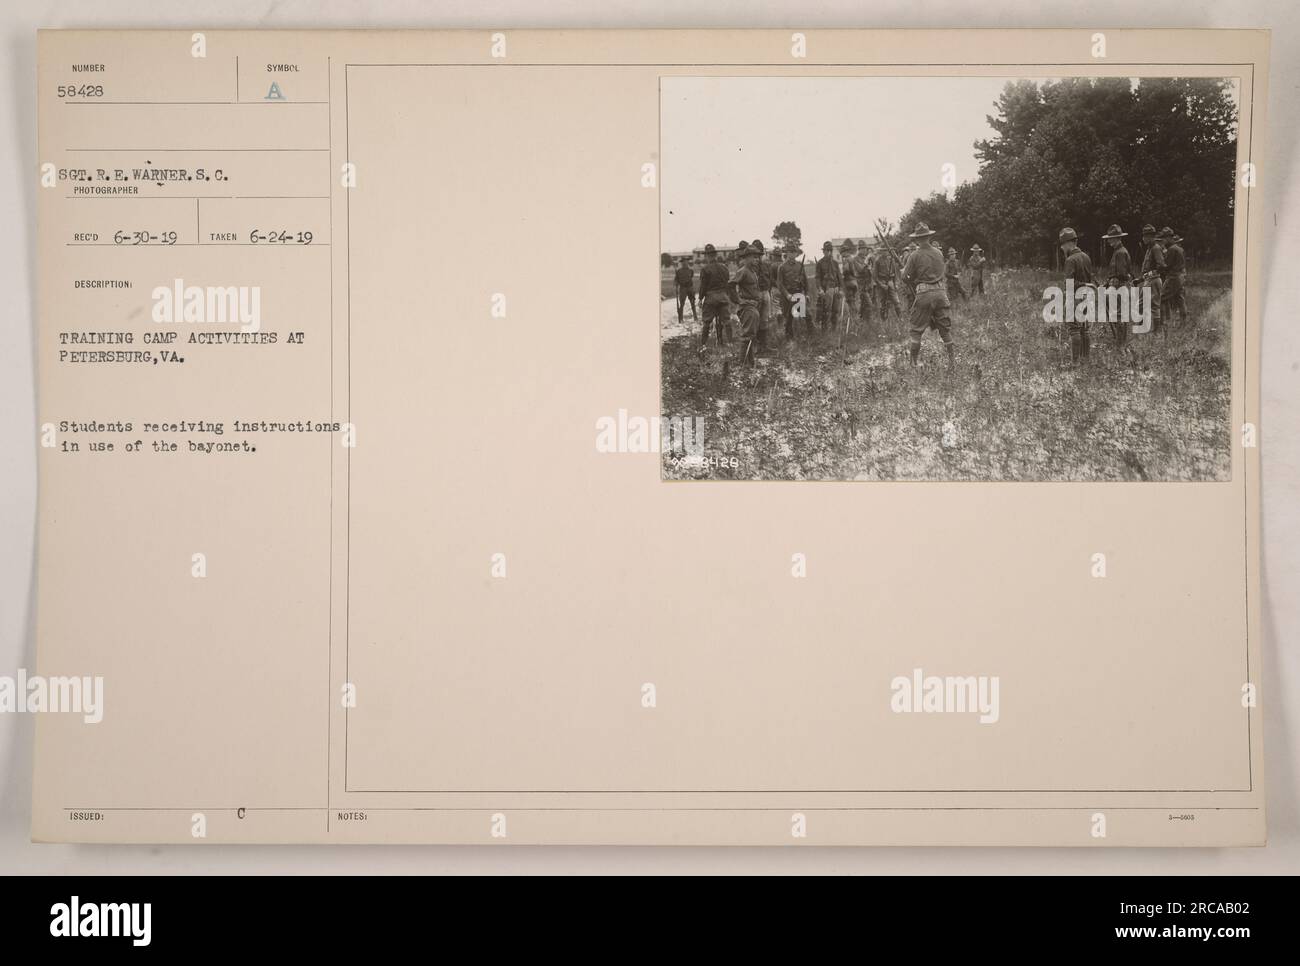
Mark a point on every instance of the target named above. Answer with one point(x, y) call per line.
point(838, 243)
point(726, 252)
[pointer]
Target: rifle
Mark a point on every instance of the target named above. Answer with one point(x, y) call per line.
point(898, 262)
point(898, 268)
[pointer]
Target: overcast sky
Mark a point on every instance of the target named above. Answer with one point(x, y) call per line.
point(741, 154)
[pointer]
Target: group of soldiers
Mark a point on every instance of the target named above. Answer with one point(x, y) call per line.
point(1162, 273)
point(873, 280)
point(865, 281)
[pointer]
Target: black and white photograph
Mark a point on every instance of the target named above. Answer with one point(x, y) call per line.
point(948, 278)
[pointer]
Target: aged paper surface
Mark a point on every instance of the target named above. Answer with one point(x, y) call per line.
point(334, 329)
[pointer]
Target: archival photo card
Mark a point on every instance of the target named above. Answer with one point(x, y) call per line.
point(948, 278)
point(379, 502)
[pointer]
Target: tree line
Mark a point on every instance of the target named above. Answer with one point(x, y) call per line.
point(1090, 152)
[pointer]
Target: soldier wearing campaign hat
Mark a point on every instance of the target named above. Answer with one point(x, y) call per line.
point(925, 270)
point(850, 269)
point(684, 287)
point(793, 287)
point(1119, 274)
point(975, 263)
point(772, 259)
point(1175, 277)
point(1078, 269)
point(1153, 274)
point(739, 255)
point(830, 289)
point(715, 302)
point(952, 276)
point(884, 279)
point(1120, 270)
point(747, 288)
point(863, 264)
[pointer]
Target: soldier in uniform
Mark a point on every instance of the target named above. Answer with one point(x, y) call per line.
point(1175, 277)
point(777, 256)
point(952, 275)
point(1119, 274)
point(925, 271)
point(734, 265)
point(830, 283)
point(1153, 274)
point(791, 282)
point(715, 303)
point(735, 262)
point(684, 285)
point(747, 286)
point(976, 265)
point(865, 283)
point(849, 268)
point(1078, 269)
point(884, 275)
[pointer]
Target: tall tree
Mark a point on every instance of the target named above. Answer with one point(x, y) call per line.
point(787, 233)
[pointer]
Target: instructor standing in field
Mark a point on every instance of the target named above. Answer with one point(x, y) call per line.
point(925, 271)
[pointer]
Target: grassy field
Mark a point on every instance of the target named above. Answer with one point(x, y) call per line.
point(1013, 408)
